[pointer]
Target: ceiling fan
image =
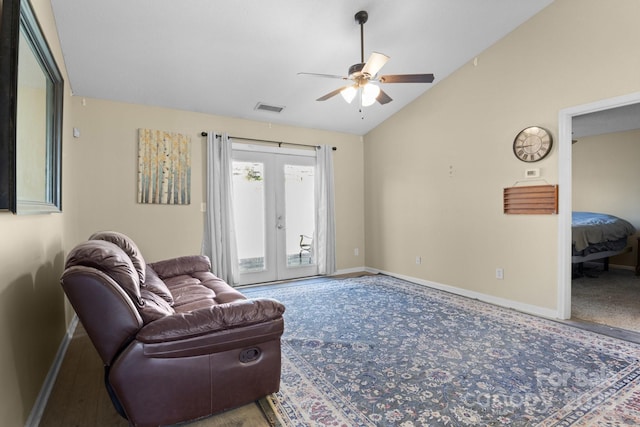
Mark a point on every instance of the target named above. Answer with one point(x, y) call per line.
point(364, 73)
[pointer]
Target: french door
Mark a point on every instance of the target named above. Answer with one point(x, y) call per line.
point(274, 210)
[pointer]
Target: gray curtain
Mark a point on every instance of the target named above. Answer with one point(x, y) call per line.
point(325, 220)
point(219, 240)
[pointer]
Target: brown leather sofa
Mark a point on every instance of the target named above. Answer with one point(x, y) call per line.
point(177, 342)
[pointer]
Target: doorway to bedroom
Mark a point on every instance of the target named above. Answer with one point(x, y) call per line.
point(599, 145)
point(274, 213)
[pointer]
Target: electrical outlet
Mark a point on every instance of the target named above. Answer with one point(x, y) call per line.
point(499, 273)
point(356, 251)
point(418, 260)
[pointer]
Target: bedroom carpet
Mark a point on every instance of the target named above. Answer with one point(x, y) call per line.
point(607, 297)
point(379, 351)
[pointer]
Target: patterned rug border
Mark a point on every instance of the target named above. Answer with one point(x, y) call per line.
point(584, 409)
point(268, 406)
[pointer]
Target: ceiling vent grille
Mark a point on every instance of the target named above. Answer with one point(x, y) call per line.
point(266, 107)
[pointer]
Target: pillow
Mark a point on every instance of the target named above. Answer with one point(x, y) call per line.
point(127, 245)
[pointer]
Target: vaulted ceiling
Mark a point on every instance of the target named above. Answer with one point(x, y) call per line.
point(225, 57)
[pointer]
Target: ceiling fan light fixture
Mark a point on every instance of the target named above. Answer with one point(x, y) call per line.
point(348, 93)
point(362, 73)
point(369, 94)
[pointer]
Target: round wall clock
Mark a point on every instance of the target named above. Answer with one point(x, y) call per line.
point(532, 144)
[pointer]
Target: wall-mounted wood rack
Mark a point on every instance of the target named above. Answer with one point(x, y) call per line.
point(534, 199)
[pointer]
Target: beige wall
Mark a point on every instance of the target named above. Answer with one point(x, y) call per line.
point(605, 179)
point(32, 308)
point(435, 171)
point(101, 177)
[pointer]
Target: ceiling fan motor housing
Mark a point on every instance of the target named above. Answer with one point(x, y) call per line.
point(355, 69)
point(362, 17)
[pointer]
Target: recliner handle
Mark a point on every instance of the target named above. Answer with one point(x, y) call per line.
point(250, 354)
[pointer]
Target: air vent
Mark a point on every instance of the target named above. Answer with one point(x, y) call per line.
point(266, 107)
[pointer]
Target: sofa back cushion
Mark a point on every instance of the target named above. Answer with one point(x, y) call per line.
point(128, 246)
point(153, 306)
point(155, 284)
point(111, 260)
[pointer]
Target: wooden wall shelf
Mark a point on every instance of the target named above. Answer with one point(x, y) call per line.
point(535, 199)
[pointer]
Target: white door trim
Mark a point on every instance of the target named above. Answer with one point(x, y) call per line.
point(565, 118)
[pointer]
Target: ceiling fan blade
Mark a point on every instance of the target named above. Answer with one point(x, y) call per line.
point(331, 94)
point(375, 62)
point(407, 78)
point(383, 98)
point(329, 76)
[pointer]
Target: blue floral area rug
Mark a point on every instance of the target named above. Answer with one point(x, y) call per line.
point(379, 351)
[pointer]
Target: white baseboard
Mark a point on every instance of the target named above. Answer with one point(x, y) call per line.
point(503, 302)
point(349, 271)
point(41, 402)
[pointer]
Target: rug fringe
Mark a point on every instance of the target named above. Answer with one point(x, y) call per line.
point(270, 411)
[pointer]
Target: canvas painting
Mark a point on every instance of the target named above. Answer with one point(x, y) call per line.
point(164, 167)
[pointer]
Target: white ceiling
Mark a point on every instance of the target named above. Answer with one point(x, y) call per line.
point(223, 57)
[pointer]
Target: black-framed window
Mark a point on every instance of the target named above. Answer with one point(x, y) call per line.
point(31, 103)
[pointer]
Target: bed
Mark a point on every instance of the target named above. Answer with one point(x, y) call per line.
point(598, 236)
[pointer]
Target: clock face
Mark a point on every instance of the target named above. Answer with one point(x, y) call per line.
point(532, 144)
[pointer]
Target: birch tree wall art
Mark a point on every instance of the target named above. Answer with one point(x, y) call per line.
point(164, 167)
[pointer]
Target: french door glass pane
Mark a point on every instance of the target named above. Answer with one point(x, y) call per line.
point(248, 205)
point(300, 218)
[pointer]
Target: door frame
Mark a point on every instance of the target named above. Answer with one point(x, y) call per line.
point(565, 127)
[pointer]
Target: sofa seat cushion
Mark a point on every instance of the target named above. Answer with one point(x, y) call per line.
point(192, 293)
point(196, 289)
point(195, 305)
point(224, 292)
point(177, 282)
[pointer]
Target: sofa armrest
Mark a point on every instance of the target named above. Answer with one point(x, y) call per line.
point(181, 265)
point(211, 319)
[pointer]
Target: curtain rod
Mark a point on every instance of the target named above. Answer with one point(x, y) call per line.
point(271, 142)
